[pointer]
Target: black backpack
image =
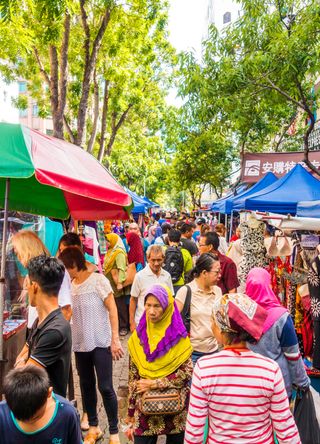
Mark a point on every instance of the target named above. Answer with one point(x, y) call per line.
point(173, 263)
point(185, 313)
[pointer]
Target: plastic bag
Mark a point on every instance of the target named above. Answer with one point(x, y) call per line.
point(306, 418)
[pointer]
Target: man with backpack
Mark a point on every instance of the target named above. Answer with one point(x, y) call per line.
point(177, 261)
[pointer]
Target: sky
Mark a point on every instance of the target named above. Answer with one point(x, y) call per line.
point(187, 24)
point(187, 27)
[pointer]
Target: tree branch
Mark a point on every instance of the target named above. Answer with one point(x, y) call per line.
point(116, 126)
point(63, 81)
point(41, 67)
point(95, 113)
point(68, 129)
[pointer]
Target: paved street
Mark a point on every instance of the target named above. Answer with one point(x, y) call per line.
point(120, 381)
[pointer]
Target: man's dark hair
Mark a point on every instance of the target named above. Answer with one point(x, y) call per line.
point(70, 240)
point(185, 228)
point(165, 227)
point(26, 391)
point(212, 239)
point(174, 235)
point(72, 257)
point(47, 272)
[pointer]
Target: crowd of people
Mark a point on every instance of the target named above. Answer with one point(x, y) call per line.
point(208, 364)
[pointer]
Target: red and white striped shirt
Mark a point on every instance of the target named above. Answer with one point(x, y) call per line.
point(244, 396)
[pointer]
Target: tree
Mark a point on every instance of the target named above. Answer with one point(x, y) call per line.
point(269, 60)
point(88, 64)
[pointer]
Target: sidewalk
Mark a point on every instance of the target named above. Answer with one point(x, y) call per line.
point(120, 383)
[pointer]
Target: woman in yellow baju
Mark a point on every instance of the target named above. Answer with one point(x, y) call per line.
point(160, 357)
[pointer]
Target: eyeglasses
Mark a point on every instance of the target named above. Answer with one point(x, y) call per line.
point(215, 271)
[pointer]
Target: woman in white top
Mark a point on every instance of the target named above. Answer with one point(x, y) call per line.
point(95, 340)
point(204, 291)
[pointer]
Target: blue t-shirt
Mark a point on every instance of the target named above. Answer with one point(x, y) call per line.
point(63, 428)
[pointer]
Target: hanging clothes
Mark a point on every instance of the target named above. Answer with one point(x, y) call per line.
point(314, 290)
point(252, 246)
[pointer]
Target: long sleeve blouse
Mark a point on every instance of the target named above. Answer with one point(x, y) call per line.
point(244, 396)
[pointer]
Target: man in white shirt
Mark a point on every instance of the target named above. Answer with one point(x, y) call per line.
point(152, 274)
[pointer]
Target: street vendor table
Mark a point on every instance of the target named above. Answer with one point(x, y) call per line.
point(14, 338)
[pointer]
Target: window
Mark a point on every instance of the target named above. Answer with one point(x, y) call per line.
point(23, 112)
point(22, 87)
point(35, 110)
point(226, 17)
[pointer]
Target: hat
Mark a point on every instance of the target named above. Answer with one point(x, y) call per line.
point(200, 221)
point(235, 312)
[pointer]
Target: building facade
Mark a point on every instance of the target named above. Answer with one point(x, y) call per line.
point(222, 12)
point(30, 116)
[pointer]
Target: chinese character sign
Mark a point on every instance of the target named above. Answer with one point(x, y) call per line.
point(257, 165)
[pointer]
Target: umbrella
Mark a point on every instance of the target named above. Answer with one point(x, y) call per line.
point(51, 177)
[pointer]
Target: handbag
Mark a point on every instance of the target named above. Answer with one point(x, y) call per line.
point(130, 273)
point(168, 401)
point(305, 416)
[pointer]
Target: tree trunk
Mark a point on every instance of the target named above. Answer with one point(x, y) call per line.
point(54, 92)
point(88, 73)
point(95, 115)
point(104, 120)
point(115, 127)
point(306, 146)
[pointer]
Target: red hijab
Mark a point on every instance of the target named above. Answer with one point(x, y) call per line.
point(135, 254)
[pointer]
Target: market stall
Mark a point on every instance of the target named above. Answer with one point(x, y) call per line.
point(283, 195)
point(51, 177)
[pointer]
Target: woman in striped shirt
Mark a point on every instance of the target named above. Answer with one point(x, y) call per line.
point(241, 392)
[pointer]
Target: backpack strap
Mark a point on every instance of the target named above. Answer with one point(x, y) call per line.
point(185, 313)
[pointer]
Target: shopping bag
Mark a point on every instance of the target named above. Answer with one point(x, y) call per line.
point(306, 418)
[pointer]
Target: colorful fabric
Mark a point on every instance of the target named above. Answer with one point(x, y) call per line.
point(116, 247)
point(158, 349)
point(101, 237)
point(135, 254)
point(258, 288)
point(151, 234)
point(234, 312)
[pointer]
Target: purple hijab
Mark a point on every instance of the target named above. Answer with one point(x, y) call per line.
point(174, 332)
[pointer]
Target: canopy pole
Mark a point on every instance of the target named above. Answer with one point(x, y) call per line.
point(3, 266)
point(231, 226)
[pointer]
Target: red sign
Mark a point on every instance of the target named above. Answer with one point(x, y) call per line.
point(257, 165)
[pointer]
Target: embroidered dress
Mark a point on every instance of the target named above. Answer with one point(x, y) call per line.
point(147, 425)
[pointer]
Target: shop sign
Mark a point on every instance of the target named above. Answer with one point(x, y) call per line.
point(256, 165)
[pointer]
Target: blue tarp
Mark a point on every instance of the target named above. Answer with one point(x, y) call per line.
point(237, 203)
point(140, 206)
point(309, 209)
point(283, 195)
point(151, 204)
point(218, 204)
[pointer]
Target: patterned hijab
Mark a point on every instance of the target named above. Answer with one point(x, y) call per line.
point(236, 312)
point(258, 288)
point(158, 349)
point(135, 254)
point(116, 247)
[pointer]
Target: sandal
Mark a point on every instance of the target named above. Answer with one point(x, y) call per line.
point(92, 438)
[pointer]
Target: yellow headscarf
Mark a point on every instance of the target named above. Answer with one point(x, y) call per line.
point(163, 365)
point(116, 247)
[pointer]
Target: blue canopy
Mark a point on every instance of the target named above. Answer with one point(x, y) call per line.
point(151, 204)
point(309, 209)
point(139, 204)
point(218, 204)
point(283, 195)
point(237, 203)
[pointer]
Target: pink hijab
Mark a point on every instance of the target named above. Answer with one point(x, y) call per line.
point(258, 288)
